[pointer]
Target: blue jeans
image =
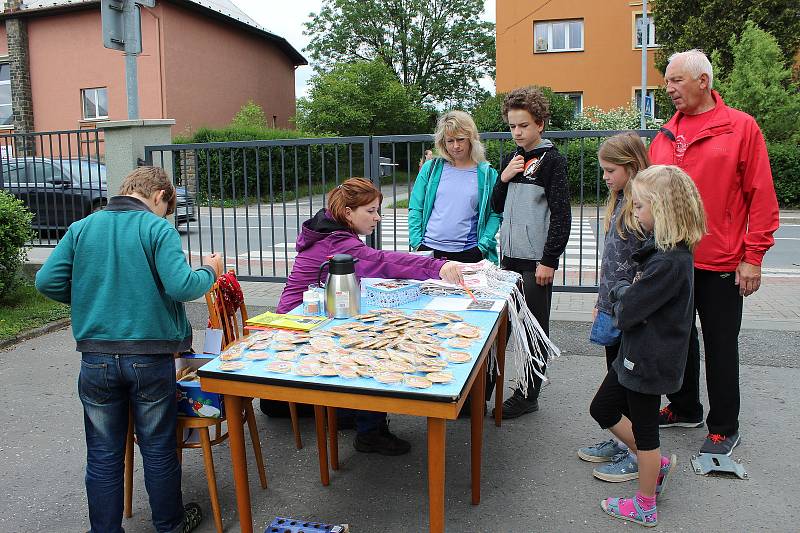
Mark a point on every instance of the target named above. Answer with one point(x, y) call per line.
point(108, 385)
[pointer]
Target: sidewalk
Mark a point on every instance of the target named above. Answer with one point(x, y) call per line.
point(532, 480)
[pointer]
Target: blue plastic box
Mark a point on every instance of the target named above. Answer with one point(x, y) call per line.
point(283, 524)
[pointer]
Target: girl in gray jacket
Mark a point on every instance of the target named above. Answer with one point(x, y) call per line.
point(655, 315)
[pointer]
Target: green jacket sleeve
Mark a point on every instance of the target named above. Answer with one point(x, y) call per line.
point(488, 240)
point(54, 279)
point(181, 283)
point(416, 205)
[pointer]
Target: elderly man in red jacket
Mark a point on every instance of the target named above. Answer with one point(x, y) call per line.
point(722, 149)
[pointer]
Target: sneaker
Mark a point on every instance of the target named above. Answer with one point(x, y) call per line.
point(192, 516)
point(518, 405)
point(667, 418)
point(720, 444)
point(602, 452)
point(664, 473)
point(381, 441)
point(622, 468)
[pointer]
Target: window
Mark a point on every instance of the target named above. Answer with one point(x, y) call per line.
point(558, 36)
point(95, 103)
point(6, 117)
point(651, 31)
point(577, 101)
point(650, 103)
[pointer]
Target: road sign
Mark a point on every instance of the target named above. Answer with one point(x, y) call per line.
point(648, 106)
point(112, 16)
point(122, 24)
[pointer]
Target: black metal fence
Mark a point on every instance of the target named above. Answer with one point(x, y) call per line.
point(253, 196)
point(58, 175)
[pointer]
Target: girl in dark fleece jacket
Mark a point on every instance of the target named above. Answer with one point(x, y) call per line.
point(655, 316)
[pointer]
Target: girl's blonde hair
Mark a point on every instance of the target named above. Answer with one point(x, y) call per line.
point(626, 150)
point(675, 204)
point(455, 123)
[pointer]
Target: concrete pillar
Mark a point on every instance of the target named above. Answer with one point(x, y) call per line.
point(124, 143)
point(19, 64)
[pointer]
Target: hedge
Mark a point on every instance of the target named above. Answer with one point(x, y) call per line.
point(785, 162)
point(270, 172)
point(15, 231)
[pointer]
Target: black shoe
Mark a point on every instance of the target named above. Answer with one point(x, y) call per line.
point(667, 418)
point(518, 405)
point(192, 516)
point(381, 441)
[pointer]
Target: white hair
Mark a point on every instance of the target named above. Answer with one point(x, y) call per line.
point(696, 64)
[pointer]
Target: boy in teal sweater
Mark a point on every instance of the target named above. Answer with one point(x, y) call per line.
point(124, 273)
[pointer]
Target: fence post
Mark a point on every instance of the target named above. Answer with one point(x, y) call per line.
point(125, 141)
point(374, 169)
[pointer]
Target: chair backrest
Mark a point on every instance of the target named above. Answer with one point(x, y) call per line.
point(230, 321)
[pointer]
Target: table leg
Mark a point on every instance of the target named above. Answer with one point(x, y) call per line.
point(502, 337)
point(436, 438)
point(477, 401)
point(333, 438)
point(233, 406)
point(319, 418)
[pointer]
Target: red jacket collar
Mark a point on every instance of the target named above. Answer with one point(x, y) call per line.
point(719, 123)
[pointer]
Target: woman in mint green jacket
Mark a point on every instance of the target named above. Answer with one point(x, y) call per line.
point(449, 211)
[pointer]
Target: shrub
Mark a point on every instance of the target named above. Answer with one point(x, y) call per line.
point(15, 231)
point(488, 115)
point(250, 115)
point(785, 162)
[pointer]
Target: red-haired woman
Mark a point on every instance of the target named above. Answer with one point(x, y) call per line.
point(353, 211)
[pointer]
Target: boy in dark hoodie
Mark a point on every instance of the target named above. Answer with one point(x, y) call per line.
point(533, 196)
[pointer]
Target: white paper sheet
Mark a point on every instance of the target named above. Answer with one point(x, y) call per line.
point(464, 304)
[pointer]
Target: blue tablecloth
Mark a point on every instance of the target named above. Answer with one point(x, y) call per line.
point(256, 371)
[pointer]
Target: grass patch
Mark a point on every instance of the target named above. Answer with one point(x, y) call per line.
point(399, 204)
point(24, 308)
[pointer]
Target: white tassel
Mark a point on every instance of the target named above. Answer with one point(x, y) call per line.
point(529, 345)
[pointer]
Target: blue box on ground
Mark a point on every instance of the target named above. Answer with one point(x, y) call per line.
point(283, 524)
point(192, 400)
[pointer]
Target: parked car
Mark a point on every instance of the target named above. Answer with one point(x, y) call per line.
point(60, 191)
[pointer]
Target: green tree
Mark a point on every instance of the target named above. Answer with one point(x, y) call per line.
point(710, 24)
point(251, 115)
point(489, 114)
point(362, 98)
point(760, 85)
point(440, 48)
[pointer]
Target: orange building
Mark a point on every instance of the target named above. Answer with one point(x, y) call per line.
point(590, 51)
point(200, 62)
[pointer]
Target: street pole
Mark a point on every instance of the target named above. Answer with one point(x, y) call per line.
point(131, 74)
point(644, 63)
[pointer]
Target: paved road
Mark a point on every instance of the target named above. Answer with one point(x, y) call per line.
point(530, 467)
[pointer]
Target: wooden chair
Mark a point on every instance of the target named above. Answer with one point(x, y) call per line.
point(233, 329)
point(219, 319)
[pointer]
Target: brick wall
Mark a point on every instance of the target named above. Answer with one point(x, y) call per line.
point(19, 63)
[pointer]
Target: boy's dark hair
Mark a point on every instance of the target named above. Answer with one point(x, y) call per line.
point(146, 181)
point(531, 100)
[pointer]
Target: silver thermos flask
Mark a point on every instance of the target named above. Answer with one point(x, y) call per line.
point(342, 291)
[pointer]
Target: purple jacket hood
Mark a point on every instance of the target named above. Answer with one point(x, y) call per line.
point(321, 237)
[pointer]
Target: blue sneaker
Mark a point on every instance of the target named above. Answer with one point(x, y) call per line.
point(602, 452)
point(622, 468)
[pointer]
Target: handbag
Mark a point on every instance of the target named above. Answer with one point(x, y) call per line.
point(603, 331)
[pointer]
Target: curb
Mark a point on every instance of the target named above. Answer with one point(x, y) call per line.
point(37, 332)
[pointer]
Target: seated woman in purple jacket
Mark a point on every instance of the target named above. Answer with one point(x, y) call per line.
point(353, 211)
